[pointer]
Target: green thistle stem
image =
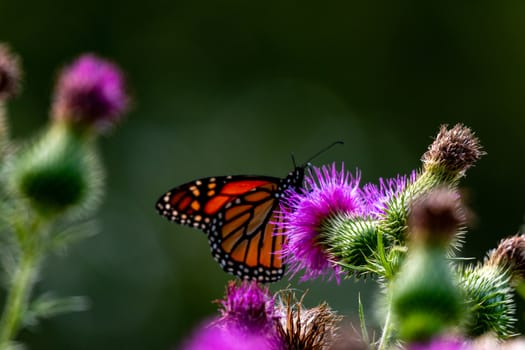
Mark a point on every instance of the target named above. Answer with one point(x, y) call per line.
point(31, 235)
point(18, 297)
point(387, 330)
point(4, 130)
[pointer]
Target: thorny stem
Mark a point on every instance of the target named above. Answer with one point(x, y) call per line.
point(387, 331)
point(17, 299)
point(22, 282)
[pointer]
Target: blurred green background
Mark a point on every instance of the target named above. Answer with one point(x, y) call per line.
point(228, 87)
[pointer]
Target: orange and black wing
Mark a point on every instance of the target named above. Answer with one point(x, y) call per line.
point(238, 213)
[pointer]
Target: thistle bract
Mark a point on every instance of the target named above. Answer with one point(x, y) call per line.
point(489, 299)
point(58, 172)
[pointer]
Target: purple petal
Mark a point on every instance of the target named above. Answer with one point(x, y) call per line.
point(328, 192)
point(213, 337)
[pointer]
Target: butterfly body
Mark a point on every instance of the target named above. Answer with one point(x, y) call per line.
point(239, 216)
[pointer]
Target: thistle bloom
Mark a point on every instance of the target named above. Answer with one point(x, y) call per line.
point(332, 224)
point(248, 306)
point(10, 73)
point(329, 193)
point(90, 92)
point(247, 321)
point(213, 337)
point(376, 197)
point(441, 343)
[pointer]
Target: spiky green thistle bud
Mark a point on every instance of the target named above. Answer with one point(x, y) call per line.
point(490, 305)
point(58, 172)
point(353, 240)
point(425, 296)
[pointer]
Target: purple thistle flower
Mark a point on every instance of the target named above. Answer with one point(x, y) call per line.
point(211, 336)
point(248, 306)
point(376, 197)
point(90, 91)
point(328, 193)
point(440, 344)
point(10, 73)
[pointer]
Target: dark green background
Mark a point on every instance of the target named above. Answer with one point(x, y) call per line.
point(227, 87)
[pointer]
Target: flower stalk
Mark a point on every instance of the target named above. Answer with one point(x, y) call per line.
point(18, 297)
point(388, 328)
point(49, 179)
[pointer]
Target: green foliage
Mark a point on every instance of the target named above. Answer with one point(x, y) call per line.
point(46, 306)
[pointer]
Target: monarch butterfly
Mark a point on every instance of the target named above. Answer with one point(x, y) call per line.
point(239, 215)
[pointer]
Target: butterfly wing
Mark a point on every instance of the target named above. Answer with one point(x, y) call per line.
point(238, 215)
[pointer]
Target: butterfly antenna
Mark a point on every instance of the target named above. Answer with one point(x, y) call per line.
point(293, 161)
point(324, 150)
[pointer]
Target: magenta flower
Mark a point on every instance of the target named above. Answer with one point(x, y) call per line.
point(214, 337)
point(90, 92)
point(10, 73)
point(248, 306)
point(248, 321)
point(440, 344)
point(377, 196)
point(328, 193)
